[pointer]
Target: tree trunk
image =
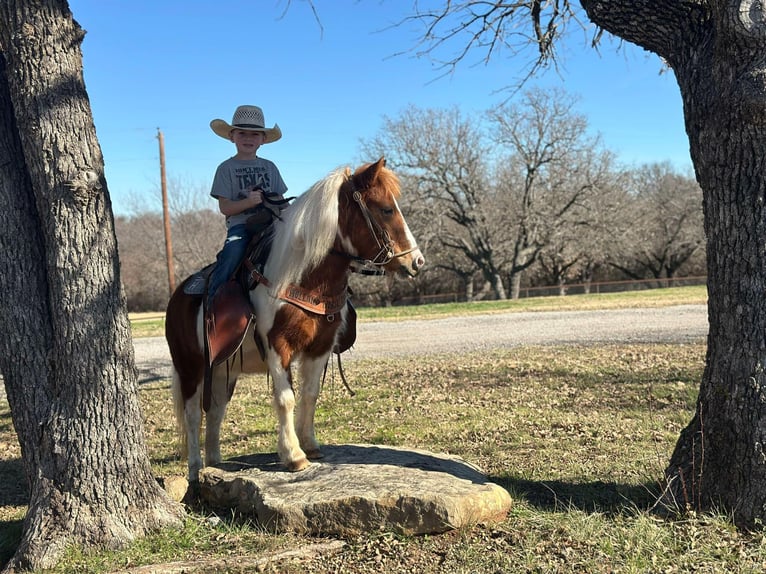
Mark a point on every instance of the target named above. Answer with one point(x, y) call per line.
point(468, 281)
point(719, 460)
point(515, 284)
point(66, 353)
point(497, 287)
point(716, 50)
point(586, 278)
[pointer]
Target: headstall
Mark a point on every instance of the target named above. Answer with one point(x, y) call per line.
point(383, 240)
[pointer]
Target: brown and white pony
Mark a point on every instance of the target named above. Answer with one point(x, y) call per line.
point(342, 220)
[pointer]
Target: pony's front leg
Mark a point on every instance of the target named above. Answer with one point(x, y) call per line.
point(289, 449)
point(219, 401)
point(311, 376)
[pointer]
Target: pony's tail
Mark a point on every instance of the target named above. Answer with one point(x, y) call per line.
point(178, 408)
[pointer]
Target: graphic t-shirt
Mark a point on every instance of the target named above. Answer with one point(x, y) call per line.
point(234, 178)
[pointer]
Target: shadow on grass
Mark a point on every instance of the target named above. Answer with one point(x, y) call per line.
point(598, 496)
point(13, 491)
point(10, 537)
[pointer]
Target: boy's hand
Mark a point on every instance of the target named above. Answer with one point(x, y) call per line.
point(255, 196)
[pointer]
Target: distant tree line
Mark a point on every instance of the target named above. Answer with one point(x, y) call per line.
point(521, 196)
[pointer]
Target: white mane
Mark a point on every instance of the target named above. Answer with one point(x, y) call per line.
point(307, 232)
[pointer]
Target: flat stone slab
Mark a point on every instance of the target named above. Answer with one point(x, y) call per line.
point(358, 488)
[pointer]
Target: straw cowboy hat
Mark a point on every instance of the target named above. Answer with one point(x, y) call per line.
point(248, 118)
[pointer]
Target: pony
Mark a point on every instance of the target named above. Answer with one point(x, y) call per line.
point(343, 221)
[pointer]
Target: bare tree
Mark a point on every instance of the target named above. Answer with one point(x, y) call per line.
point(462, 269)
point(142, 261)
point(198, 227)
point(66, 353)
point(666, 210)
point(583, 241)
point(607, 223)
point(445, 156)
point(552, 170)
point(559, 261)
point(198, 231)
point(498, 206)
point(491, 29)
point(715, 49)
point(198, 237)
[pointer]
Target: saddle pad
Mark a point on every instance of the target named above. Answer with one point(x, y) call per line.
point(196, 283)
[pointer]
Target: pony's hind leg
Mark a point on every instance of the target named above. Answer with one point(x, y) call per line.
point(189, 419)
point(219, 401)
point(311, 377)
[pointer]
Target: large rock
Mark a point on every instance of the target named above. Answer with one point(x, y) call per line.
point(357, 488)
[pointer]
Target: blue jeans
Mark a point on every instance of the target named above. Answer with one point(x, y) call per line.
point(229, 257)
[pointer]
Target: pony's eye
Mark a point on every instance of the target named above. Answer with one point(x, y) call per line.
point(387, 211)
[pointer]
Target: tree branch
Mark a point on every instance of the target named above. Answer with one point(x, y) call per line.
point(489, 27)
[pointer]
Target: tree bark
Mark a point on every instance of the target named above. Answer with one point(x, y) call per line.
point(715, 49)
point(66, 352)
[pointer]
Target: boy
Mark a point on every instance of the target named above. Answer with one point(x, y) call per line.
point(239, 185)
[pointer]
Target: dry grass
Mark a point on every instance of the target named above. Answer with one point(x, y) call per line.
point(578, 435)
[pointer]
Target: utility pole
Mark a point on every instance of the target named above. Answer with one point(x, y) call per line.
point(166, 216)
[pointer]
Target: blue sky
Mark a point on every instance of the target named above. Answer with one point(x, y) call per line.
point(175, 66)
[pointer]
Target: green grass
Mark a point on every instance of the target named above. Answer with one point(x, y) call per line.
point(627, 299)
point(578, 435)
point(147, 324)
point(153, 324)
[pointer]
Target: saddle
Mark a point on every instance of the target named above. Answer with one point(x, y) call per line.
point(228, 318)
point(227, 322)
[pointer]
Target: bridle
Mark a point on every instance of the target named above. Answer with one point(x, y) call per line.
point(382, 238)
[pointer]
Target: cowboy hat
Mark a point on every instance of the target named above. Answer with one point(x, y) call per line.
point(248, 118)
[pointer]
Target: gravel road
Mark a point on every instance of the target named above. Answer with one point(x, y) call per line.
point(678, 324)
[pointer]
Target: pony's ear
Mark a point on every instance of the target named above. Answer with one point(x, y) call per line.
point(366, 176)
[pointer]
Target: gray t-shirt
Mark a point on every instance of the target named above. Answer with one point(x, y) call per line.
point(235, 177)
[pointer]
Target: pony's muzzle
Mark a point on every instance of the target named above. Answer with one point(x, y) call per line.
point(413, 264)
point(418, 262)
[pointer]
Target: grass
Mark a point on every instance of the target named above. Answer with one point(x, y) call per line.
point(153, 324)
point(627, 299)
point(578, 435)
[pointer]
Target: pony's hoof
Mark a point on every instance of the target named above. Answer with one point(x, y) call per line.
point(298, 465)
point(314, 454)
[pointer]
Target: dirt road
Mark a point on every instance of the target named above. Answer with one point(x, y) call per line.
point(679, 324)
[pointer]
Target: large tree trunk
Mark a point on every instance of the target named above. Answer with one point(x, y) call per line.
point(716, 50)
point(719, 460)
point(66, 353)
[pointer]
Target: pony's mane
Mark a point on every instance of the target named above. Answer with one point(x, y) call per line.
point(306, 233)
